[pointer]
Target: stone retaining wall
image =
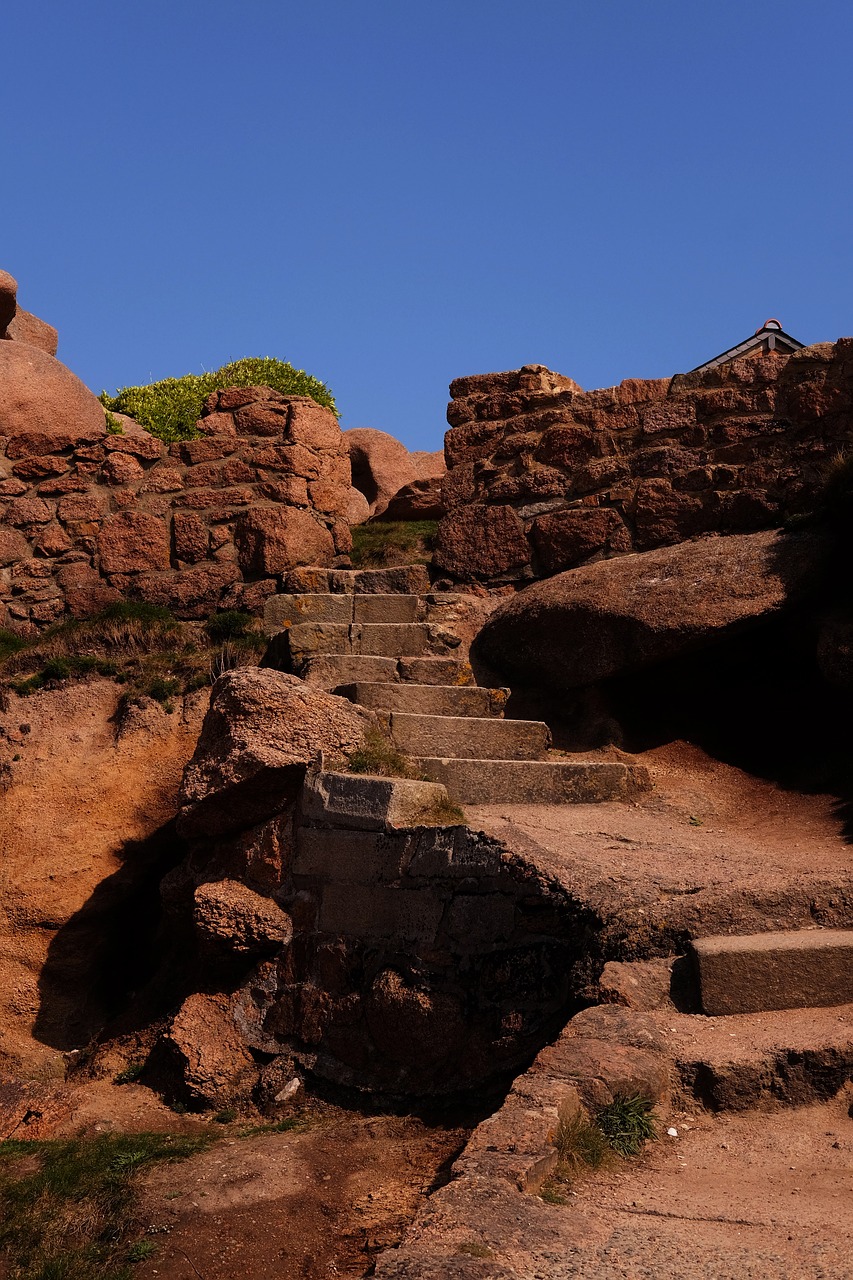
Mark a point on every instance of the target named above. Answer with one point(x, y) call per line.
point(203, 524)
point(544, 476)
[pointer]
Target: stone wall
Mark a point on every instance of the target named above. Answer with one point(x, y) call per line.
point(88, 516)
point(544, 476)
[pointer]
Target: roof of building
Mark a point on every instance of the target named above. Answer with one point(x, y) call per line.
point(770, 336)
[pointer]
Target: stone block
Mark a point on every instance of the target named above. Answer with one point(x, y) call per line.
point(291, 610)
point(534, 781)
point(431, 670)
point(470, 738)
point(385, 608)
point(368, 803)
point(354, 857)
point(361, 911)
point(429, 700)
point(805, 968)
point(306, 639)
point(390, 639)
point(331, 671)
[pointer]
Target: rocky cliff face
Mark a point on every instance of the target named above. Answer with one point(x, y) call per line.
point(544, 476)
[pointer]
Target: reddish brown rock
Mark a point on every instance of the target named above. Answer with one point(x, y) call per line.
point(40, 468)
point(421, 498)
point(262, 731)
point(13, 546)
point(567, 537)
point(193, 592)
point(133, 542)
point(481, 541)
point(410, 1025)
point(216, 1066)
point(381, 465)
point(25, 327)
point(276, 539)
point(190, 537)
point(309, 424)
point(24, 511)
point(618, 615)
point(122, 468)
point(232, 917)
point(38, 394)
point(8, 299)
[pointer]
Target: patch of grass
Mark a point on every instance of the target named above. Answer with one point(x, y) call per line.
point(140, 1250)
point(383, 543)
point(552, 1193)
point(132, 1072)
point(444, 813)
point(580, 1144)
point(169, 409)
point(300, 1122)
point(474, 1249)
point(627, 1124)
point(226, 1116)
point(378, 755)
point(142, 646)
point(230, 624)
point(68, 1207)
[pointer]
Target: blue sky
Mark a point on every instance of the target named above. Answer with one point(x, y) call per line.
point(394, 194)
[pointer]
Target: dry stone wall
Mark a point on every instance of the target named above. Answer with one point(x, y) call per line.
point(543, 476)
point(89, 516)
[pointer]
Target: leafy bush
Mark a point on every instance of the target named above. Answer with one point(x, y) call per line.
point(170, 409)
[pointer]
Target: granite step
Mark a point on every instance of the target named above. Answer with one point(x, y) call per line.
point(294, 645)
point(288, 610)
point(407, 579)
point(796, 969)
point(331, 671)
point(481, 781)
point(430, 670)
point(428, 699)
point(469, 738)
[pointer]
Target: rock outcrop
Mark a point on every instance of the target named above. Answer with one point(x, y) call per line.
point(262, 731)
point(397, 484)
point(615, 616)
point(18, 325)
point(543, 476)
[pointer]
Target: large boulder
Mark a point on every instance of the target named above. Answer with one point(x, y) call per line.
point(619, 615)
point(39, 395)
point(380, 465)
point(420, 498)
point(260, 734)
point(25, 327)
point(8, 299)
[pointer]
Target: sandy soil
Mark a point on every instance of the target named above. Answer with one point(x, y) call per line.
point(710, 849)
point(80, 798)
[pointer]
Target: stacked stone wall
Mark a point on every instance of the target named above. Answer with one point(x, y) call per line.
point(543, 476)
point(92, 517)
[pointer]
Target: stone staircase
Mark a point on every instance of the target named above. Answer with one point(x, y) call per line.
point(382, 639)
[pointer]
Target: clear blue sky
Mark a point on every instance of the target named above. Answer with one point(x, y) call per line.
point(391, 194)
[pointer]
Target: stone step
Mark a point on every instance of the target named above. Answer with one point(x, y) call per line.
point(741, 1061)
point(290, 610)
point(428, 699)
point(364, 802)
point(482, 781)
point(469, 738)
point(752, 973)
point(407, 579)
point(295, 645)
point(429, 670)
point(332, 670)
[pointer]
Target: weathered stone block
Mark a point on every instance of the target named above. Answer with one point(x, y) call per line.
point(368, 803)
point(802, 969)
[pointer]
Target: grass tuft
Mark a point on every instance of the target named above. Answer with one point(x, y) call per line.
point(627, 1123)
point(581, 1144)
point(384, 543)
point(378, 755)
point(68, 1207)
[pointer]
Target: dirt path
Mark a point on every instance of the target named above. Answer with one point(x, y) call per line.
point(294, 1206)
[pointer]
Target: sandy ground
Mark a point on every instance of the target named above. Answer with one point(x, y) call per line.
point(80, 795)
point(710, 849)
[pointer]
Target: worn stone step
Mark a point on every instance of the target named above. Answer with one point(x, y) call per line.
point(429, 699)
point(288, 610)
point(429, 670)
point(408, 579)
point(535, 781)
point(331, 671)
point(798, 969)
point(378, 639)
point(364, 802)
point(395, 639)
point(741, 1061)
point(469, 738)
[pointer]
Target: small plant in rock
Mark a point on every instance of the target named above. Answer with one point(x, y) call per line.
point(131, 1073)
point(378, 755)
point(140, 1250)
point(580, 1144)
point(627, 1124)
point(444, 813)
point(114, 427)
point(230, 624)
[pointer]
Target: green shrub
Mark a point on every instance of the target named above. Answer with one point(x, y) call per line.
point(10, 643)
point(170, 408)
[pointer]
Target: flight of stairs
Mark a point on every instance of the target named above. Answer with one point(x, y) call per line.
point(357, 633)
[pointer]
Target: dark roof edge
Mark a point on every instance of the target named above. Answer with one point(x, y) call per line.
point(741, 348)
